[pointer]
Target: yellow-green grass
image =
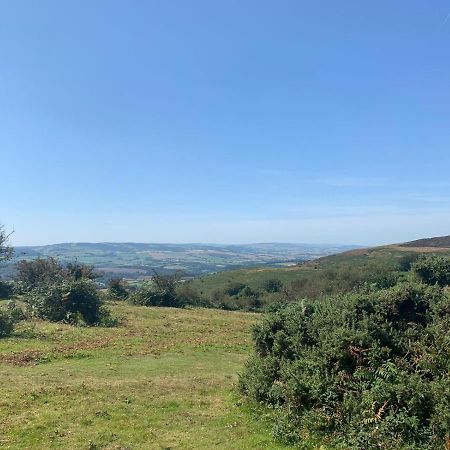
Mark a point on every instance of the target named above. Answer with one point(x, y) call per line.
point(163, 379)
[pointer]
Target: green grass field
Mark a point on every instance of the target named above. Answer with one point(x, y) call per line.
point(163, 379)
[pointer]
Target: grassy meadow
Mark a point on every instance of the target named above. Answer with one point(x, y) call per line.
point(163, 379)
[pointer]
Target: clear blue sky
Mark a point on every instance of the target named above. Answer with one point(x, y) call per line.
point(225, 121)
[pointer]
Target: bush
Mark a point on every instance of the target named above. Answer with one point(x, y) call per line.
point(44, 271)
point(234, 289)
point(272, 285)
point(187, 295)
point(15, 312)
point(117, 289)
point(366, 370)
point(73, 302)
point(433, 269)
point(161, 291)
point(6, 289)
point(6, 324)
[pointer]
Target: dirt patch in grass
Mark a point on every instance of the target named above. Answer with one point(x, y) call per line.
point(33, 357)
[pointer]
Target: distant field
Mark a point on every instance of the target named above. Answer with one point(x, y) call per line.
point(164, 379)
point(137, 261)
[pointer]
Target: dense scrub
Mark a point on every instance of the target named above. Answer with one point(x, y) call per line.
point(433, 269)
point(6, 324)
point(362, 370)
point(56, 292)
point(75, 302)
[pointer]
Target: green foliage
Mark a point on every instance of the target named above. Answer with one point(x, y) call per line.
point(161, 291)
point(15, 311)
point(77, 271)
point(44, 271)
point(5, 250)
point(6, 289)
point(367, 370)
point(433, 269)
point(117, 289)
point(6, 324)
point(234, 289)
point(272, 285)
point(70, 301)
point(187, 295)
point(237, 296)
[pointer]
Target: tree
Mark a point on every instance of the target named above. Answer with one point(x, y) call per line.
point(50, 270)
point(77, 271)
point(39, 271)
point(5, 250)
point(272, 285)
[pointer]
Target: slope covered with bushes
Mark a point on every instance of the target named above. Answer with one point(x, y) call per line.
point(362, 370)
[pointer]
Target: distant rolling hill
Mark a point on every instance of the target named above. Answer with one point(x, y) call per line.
point(138, 260)
point(435, 242)
point(328, 274)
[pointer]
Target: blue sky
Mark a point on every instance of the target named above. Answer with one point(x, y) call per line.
point(225, 121)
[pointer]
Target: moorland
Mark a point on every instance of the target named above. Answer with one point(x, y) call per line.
point(346, 351)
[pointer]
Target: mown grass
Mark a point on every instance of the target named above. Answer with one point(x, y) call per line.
point(163, 379)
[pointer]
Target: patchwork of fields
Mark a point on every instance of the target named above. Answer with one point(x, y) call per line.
point(137, 261)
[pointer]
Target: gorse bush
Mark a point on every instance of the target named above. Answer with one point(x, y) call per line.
point(117, 289)
point(433, 269)
point(366, 370)
point(6, 324)
point(73, 302)
point(45, 271)
point(272, 285)
point(6, 289)
point(237, 296)
point(160, 291)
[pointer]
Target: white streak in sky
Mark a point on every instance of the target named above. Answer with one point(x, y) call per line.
point(446, 19)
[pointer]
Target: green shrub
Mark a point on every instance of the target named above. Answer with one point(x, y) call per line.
point(6, 289)
point(187, 295)
point(117, 289)
point(161, 291)
point(169, 291)
point(73, 302)
point(6, 324)
point(272, 285)
point(43, 271)
point(234, 289)
point(15, 312)
point(147, 295)
point(366, 370)
point(433, 269)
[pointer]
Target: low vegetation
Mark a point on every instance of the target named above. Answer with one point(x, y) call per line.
point(162, 379)
point(363, 370)
point(354, 353)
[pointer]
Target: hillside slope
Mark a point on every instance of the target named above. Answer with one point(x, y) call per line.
point(435, 242)
point(328, 274)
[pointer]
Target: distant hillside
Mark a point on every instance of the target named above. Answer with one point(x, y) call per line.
point(328, 274)
point(435, 242)
point(138, 260)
